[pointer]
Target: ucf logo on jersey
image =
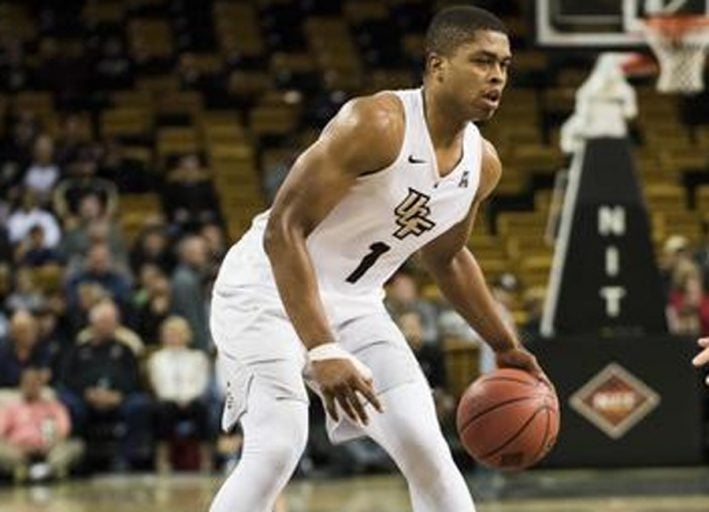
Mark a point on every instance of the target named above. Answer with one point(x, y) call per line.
point(412, 215)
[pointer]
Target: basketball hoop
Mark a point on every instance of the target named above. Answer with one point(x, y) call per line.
point(680, 44)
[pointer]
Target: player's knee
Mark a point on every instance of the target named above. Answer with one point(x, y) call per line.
point(427, 451)
point(284, 448)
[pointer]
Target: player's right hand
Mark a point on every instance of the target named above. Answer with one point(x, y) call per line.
point(524, 360)
point(702, 358)
point(340, 383)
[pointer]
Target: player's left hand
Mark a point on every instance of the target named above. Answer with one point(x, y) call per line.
point(702, 358)
point(524, 360)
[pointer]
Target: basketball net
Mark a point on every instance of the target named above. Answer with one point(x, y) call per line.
point(680, 44)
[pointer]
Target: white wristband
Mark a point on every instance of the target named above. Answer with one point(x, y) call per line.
point(328, 351)
point(334, 351)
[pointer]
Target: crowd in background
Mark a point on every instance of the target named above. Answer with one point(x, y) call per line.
point(103, 341)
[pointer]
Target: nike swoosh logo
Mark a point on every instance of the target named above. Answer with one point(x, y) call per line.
point(413, 160)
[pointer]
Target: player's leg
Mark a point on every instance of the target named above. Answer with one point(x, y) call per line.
point(275, 433)
point(261, 361)
point(408, 429)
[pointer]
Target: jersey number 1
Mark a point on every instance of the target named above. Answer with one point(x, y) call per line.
point(375, 250)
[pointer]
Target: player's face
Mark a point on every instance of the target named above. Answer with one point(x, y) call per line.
point(475, 75)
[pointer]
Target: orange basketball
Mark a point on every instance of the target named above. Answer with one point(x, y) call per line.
point(508, 419)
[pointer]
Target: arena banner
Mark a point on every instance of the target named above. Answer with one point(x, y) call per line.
point(604, 278)
point(625, 401)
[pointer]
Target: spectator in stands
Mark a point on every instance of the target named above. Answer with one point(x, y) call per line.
point(25, 295)
point(29, 214)
point(53, 335)
point(105, 322)
point(217, 246)
point(44, 172)
point(702, 256)
point(188, 196)
point(21, 350)
point(71, 140)
point(91, 226)
point(403, 295)
point(674, 251)
point(155, 304)
point(88, 295)
point(81, 182)
point(179, 376)
point(189, 297)
point(16, 152)
point(99, 268)
point(688, 304)
point(101, 382)
point(152, 246)
point(34, 433)
point(33, 252)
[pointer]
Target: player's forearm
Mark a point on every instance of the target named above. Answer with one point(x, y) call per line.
point(297, 285)
point(462, 282)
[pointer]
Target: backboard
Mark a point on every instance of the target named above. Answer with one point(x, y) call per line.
point(603, 24)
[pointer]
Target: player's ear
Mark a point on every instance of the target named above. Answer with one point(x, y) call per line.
point(435, 65)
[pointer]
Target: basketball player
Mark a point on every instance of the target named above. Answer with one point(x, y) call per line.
point(702, 358)
point(299, 296)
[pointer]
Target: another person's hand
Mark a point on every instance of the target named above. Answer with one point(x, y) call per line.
point(702, 359)
point(341, 380)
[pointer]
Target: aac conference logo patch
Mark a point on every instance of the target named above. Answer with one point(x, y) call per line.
point(615, 400)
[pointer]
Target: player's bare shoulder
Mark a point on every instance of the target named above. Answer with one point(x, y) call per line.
point(368, 131)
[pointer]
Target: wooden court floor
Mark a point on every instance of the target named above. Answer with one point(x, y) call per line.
point(373, 494)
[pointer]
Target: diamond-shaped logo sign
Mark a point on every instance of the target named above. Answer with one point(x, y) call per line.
point(615, 400)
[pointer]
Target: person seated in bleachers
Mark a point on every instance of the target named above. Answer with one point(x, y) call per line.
point(33, 252)
point(29, 214)
point(105, 321)
point(100, 382)
point(153, 304)
point(217, 245)
point(71, 140)
point(188, 196)
point(403, 295)
point(179, 376)
point(702, 255)
point(43, 173)
point(688, 303)
point(21, 349)
point(152, 246)
point(16, 152)
point(81, 182)
point(34, 433)
point(25, 294)
point(189, 296)
point(100, 268)
point(92, 225)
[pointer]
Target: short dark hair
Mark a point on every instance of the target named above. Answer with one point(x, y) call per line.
point(456, 25)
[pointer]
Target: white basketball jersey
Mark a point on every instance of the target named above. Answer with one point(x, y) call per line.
point(372, 231)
